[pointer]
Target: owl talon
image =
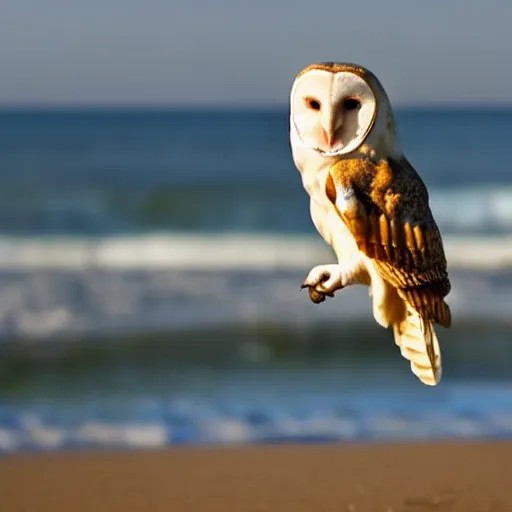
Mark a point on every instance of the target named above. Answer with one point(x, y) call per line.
point(316, 296)
point(322, 282)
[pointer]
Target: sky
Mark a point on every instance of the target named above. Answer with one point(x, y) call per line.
point(228, 52)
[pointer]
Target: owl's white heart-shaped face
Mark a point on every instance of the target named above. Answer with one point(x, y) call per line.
point(332, 112)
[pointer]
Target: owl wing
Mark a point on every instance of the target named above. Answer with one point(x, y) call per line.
point(394, 227)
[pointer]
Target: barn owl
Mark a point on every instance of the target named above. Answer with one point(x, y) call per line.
point(371, 206)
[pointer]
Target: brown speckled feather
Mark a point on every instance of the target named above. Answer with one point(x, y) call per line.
point(388, 213)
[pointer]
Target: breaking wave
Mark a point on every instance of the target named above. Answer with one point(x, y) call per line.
point(216, 251)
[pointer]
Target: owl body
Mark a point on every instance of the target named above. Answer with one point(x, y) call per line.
point(352, 262)
point(369, 204)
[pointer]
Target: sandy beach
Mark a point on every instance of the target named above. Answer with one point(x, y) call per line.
point(451, 476)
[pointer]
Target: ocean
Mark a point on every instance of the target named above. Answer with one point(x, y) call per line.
point(150, 266)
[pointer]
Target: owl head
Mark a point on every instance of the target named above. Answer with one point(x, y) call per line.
point(340, 110)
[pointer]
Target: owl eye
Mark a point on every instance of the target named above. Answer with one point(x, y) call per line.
point(351, 104)
point(313, 104)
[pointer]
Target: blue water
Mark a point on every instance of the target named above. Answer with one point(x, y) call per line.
point(150, 265)
point(96, 173)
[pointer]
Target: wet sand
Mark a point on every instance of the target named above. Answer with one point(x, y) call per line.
point(440, 477)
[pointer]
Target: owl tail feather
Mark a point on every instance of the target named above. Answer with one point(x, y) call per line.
point(418, 343)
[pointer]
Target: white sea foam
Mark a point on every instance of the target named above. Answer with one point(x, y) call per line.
point(163, 252)
point(54, 287)
point(126, 434)
point(210, 252)
point(462, 410)
point(473, 209)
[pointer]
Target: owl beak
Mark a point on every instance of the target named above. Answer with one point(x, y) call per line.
point(327, 137)
point(330, 126)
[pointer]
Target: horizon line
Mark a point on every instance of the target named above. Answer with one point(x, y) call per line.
point(223, 107)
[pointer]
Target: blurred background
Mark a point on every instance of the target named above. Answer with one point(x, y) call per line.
point(154, 232)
